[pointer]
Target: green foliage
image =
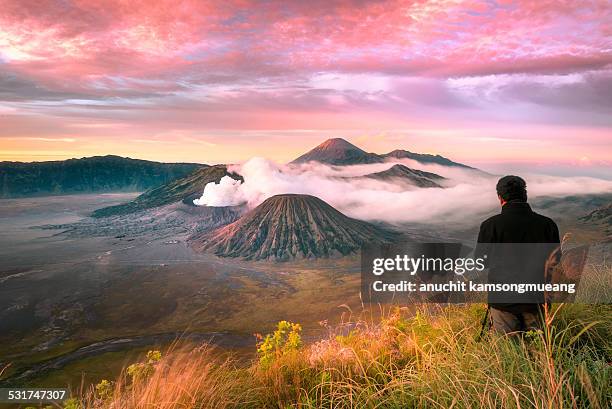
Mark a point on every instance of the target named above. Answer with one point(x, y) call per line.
point(285, 339)
point(423, 329)
point(348, 339)
point(142, 370)
point(154, 357)
point(325, 377)
point(104, 389)
point(72, 403)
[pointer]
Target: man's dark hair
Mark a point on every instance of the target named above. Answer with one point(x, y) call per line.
point(512, 188)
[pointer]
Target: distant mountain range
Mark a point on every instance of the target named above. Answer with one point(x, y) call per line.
point(184, 189)
point(411, 176)
point(117, 174)
point(337, 151)
point(87, 175)
point(290, 226)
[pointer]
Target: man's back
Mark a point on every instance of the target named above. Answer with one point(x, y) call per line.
point(517, 223)
point(518, 244)
point(518, 241)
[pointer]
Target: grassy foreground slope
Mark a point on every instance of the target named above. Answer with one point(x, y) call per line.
point(433, 359)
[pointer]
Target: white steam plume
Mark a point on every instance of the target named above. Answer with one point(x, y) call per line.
point(467, 193)
point(225, 193)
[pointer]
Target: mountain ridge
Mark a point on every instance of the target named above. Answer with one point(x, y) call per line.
point(424, 158)
point(414, 177)
point(183, 190)
point(338, 151)
point(94, 174)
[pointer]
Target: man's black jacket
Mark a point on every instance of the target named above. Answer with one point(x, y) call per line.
point(521, 259)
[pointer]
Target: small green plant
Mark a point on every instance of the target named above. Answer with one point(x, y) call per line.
point(142, 370)
point(348, 339)
point(104, 389)
point(286, 338)
point(533, 334)
point(72, 403)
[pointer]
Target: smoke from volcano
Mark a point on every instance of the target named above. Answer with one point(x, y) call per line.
point(224, 193)
point(467, 193)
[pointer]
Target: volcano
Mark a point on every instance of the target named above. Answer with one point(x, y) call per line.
point(183, 190)
point(337, 151)
point(291, 226)
point(403, 173)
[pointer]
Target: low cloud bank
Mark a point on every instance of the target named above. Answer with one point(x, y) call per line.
point(467, 194)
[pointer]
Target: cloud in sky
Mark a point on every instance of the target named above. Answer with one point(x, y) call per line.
point(119, 71)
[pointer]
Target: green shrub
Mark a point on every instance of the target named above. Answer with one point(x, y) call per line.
point(72, 403)
point(285, 339)
point(104, 389)
point(144, 369)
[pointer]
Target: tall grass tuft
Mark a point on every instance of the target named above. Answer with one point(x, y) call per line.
point(180, 378)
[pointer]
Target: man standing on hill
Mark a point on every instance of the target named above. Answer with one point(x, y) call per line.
point(521, 261)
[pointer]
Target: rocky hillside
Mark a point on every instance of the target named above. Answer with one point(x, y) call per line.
point(601, 216)
point(184, 189)
point(86, 175)
point(401, 173)
point(291, 226)
point(169, 221)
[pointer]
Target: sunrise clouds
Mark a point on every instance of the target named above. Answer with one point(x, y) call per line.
point(485, 82)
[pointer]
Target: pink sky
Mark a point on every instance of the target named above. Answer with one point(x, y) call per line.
point(483, 82)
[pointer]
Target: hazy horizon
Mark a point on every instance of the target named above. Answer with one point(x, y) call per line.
point(576, 168)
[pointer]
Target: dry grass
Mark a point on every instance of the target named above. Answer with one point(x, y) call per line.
point(181, 379)
point(596, 284)
point(431, 359)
